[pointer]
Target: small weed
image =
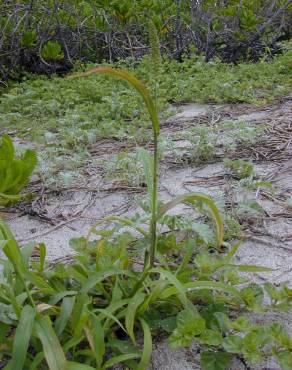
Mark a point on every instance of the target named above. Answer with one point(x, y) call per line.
point(240, 169)
point(203, 145)
point(232, 227)
point(125, 167)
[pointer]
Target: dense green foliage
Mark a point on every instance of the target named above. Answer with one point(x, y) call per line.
point(68, 116)
point(14, 171)
point(50, 35)
point(99, 309)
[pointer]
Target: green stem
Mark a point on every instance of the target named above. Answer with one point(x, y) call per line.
point(153, 225)
point(139, 283)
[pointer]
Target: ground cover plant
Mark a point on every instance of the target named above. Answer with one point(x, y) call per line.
point(67, 117)
point(123, 287)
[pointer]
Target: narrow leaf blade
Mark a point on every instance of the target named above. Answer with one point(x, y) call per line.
point(53, 351)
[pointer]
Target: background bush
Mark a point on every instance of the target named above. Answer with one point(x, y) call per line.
point(49, 36)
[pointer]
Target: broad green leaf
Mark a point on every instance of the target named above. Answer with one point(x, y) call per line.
point(6, 199)
point(113, 307)
point(159, 286)
point(215, 360)
point(24, 169)
point(52, 348)
point(211, 337)
point(189, 325)
point(232, 344)
point(22, 338)
point(222, 321)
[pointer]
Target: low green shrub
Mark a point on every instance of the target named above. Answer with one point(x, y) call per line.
point(103, 306)
point(52, 51)
point(14, 171)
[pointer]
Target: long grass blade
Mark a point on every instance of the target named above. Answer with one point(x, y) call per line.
point(133, 305)
point(53, 351)
point(147, 346)
point(178, 286)
point(12, 252)
point(100, 276)
point(22, 338)
point(119, 359)
point(78, 366)
point(250, 268)
point(199, 285)
point(95, 337)
point(65, 313)
point(192, 198)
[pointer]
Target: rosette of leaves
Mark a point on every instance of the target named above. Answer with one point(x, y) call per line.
point(14, 171)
